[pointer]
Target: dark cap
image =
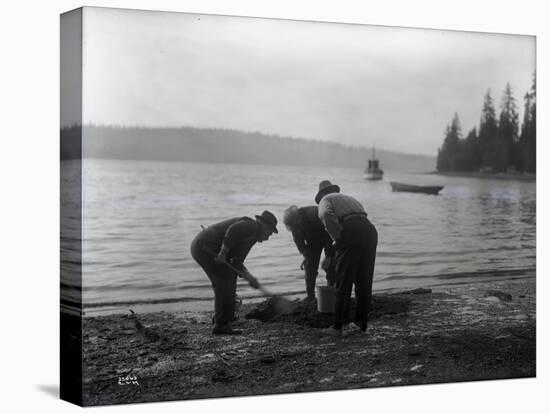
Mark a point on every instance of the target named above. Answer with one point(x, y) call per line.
point(268, 218)
point(326, 187)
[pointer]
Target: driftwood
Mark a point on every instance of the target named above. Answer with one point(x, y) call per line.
point(221, 358)
point(148, 333)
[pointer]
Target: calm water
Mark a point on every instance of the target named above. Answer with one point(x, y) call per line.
point(140, 218)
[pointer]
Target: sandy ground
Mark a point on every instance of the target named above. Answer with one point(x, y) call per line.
point(458, 333)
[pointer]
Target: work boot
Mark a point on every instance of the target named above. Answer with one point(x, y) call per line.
point(332, 331)
point(235, 318)
point(311, 301)
point(225, 329)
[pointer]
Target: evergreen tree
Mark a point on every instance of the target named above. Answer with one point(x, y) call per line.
point(469, 153)
point(448, 156)
point(528, 137)
point(488, 131)
point(506, 142)
point(499, 145)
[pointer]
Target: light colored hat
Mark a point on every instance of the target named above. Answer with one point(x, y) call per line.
point(290, 216)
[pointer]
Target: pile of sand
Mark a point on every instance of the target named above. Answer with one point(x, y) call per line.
point(302, 312)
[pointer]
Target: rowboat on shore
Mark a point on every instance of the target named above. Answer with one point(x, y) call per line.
point(410, 188)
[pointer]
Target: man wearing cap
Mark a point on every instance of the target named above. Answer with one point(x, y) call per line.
point(355, 240)
point(229, 242)
point(310, 238)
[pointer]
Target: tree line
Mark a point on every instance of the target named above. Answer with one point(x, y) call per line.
point(211, 145)
point(500, 144)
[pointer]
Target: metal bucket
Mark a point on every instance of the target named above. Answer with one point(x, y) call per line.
point(325, 299)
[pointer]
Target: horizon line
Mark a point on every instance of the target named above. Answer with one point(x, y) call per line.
point(267, 134)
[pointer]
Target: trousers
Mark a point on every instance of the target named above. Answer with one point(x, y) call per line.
point(223, 280)
point(312, 254)
point(355, 258)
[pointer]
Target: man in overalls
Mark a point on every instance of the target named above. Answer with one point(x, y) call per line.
point(355, 240)
point(229, 242)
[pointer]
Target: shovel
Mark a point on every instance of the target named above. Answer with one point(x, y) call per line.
point(281, 304)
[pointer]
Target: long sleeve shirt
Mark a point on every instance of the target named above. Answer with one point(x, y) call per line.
point(333, 207)
point(238, 234)
point(309, 230)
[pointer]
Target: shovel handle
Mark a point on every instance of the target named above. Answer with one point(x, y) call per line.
point(239, 272)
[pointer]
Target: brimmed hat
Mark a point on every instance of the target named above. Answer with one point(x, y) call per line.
point(290, 215)
point(326, 187)
point(268, 218)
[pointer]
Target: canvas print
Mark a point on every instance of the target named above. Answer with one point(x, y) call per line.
point(254, 206)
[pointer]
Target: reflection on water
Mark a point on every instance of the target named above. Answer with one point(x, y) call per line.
point(139, 219)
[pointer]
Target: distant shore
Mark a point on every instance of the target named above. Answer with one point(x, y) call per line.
point(498, 176)
point(469, 332)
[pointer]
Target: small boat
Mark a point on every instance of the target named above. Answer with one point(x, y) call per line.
point(426, 189)
point(373, 171)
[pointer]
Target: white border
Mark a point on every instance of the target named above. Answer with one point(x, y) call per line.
point(30, 206)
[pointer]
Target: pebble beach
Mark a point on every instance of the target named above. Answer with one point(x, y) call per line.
point(463, 332)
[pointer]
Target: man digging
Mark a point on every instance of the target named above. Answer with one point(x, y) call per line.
point(220, 249)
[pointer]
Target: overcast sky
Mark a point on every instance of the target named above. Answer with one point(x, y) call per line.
point(395, 88)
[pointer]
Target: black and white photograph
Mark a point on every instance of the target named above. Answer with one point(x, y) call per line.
point(257, 206)
point(266, 207)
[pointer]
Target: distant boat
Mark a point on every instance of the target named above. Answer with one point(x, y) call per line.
point(426, 189)
point(373, 171)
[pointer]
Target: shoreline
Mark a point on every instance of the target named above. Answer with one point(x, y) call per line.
point(497, 176)
point(480, 331)
point(177, 305)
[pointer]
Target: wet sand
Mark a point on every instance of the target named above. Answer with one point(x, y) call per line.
point(468, 332)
